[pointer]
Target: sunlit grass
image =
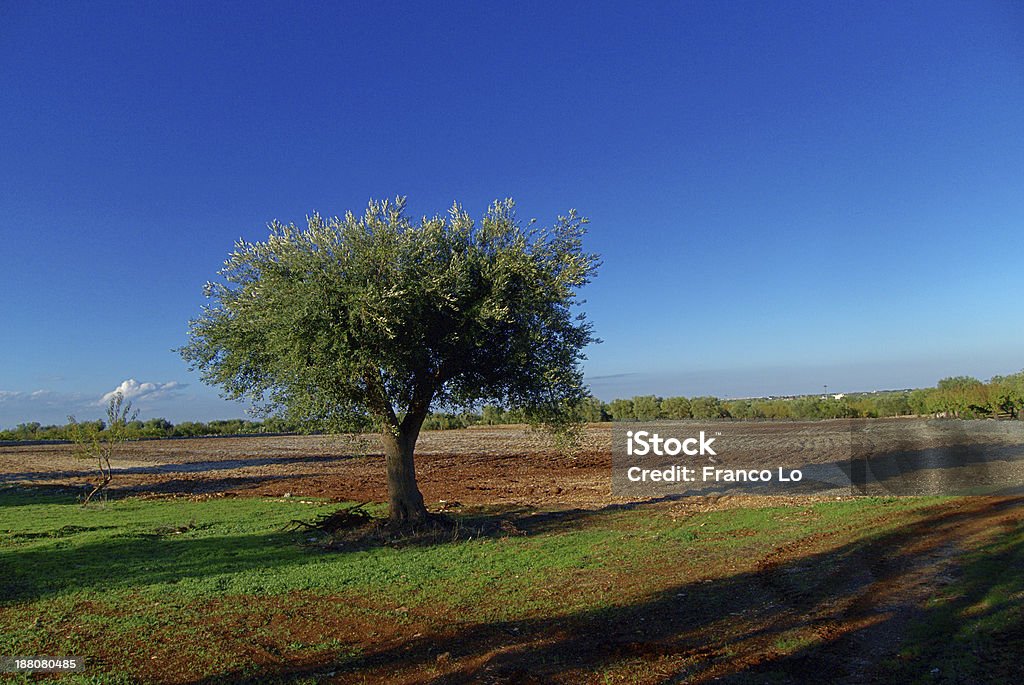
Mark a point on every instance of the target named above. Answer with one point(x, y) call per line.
point(198, 579)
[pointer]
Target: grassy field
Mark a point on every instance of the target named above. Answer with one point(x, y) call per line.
point(181, 590)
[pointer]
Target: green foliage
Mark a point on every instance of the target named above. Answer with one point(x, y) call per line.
point(822, 408)
point(99, 444)
point(156, 428)
point(707, 408)
point(646, 408)
point(1006, 394)
point(961, 397)
point(492, 415)
point(621, 410)
point(741, 409)
point(593, 410)
point(958, 397)
point(376, 316)
point(449, 420)
point(958, 383)
point(676, 408)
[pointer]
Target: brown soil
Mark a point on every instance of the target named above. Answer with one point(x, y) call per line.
point(511, 465)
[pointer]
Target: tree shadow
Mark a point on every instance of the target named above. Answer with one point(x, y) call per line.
point(963, 468)
point(136, 560)
point(139, 558)
point(178, 467)
point(473, 523)
point(852, 601)
point(22, 494)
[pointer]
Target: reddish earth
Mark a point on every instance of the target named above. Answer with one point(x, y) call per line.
point(480, 465)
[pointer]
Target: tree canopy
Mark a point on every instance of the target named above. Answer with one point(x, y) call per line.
point(376, 317)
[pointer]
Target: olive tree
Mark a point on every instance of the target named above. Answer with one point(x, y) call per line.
point(377, 318)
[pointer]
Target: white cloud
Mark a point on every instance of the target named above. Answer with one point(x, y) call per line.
point(133, 390)
point(18, 395)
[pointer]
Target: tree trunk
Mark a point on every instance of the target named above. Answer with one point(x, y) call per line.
point(404, 497)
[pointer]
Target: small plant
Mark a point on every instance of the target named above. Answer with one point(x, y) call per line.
point(98, 443)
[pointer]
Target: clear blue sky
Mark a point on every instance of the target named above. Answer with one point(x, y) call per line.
point(785, 195)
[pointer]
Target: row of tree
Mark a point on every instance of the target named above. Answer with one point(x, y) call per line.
point(956, 397)
point(153, 428)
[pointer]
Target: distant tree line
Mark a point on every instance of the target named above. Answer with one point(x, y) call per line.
point(959, 397)
point(154, 428)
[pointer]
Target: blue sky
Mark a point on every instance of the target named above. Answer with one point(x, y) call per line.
point(785, 195)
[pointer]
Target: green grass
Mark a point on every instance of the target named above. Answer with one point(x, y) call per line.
point(792, 643)
point(176, 548)
point(980, 615)
point(113, 578)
